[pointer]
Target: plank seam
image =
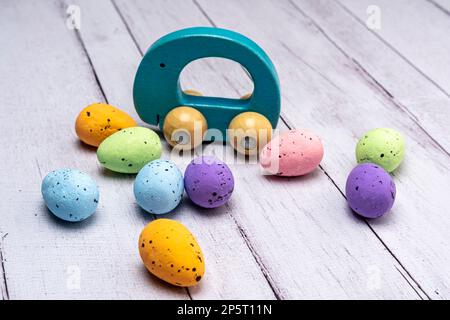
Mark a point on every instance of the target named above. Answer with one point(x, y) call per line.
point(379, 239)
point(349, 12)
point(410, 284)
point(437, 5)
point(4, 283)
point(91, 65)
point(246, 239)
point(125, 22)
point(371, 81)
point(127, 26)
point(398, 261)
point(133, 38)
point(378, 87)
point(244, 236)
point(210, 20)
point(100, 87)
point(276, 291)
point(39, 168)
point(205, 14)
point(309, 66)
point(384, 245)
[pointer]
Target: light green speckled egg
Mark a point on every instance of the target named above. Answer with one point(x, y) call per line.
point(129, 150)
point(382, 146)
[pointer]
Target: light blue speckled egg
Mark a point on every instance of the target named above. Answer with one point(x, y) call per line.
point(70, 194)
point(158, 187)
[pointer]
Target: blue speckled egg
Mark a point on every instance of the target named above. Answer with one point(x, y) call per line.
point(158, 187)
point(70, 194)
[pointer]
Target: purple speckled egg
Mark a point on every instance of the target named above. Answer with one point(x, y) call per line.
point(208, 182)
point(370, 190)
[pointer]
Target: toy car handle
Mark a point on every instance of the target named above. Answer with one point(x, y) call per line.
point(157, 87)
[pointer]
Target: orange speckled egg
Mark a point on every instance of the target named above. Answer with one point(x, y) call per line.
point(171, 253)
point(98, 121)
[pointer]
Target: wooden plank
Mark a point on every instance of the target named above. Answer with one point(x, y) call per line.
point(231, 267)
point(304, 252)
point(423, 101)
point(46, 79)
point(326, 90)
point(4, 292)
point(443, 5)
point(417, 30)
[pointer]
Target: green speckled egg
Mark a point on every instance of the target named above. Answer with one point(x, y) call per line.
point(383, 146)
point(129, 150)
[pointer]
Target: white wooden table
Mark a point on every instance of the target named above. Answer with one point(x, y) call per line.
point(277, 238)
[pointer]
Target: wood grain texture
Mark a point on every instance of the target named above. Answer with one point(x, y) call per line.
point(427, 105)
point(417, 30)
point(231, 270)
point(4, 292)
point(279, 217)
point(407, 88)
point(325, 90)
point(276, 238)
point(443, 5)
point(46, 79)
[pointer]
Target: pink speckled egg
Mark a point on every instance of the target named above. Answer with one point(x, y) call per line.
point(293, 153)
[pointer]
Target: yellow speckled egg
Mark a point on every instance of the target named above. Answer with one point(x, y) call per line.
point(171, 253)
point(98, 121)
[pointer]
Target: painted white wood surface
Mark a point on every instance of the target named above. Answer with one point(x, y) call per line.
point(418, 30)
point(231, 268)
point(407, 87)
point(128, 218)
point(293, 236)
point(274, 252)
point(46, 79)
point(429, 107)
point(324, 89)
point(443, 5)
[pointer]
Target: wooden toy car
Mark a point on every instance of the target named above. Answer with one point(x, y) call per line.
point(188, 119)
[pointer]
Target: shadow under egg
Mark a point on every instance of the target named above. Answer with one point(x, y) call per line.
point(293, 179)
point(70, 225)
point(155, 282)
point(117, 175)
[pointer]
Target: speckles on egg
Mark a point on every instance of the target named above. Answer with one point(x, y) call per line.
point(70, 194)
point(208, 181)
point(383, 146)
point(294, 153)
point(98, 121)
point(128, 150)
point(170, 252)
point(370, 190)
point(159, 186)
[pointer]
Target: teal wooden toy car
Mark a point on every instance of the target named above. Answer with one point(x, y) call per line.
point(158, 95)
